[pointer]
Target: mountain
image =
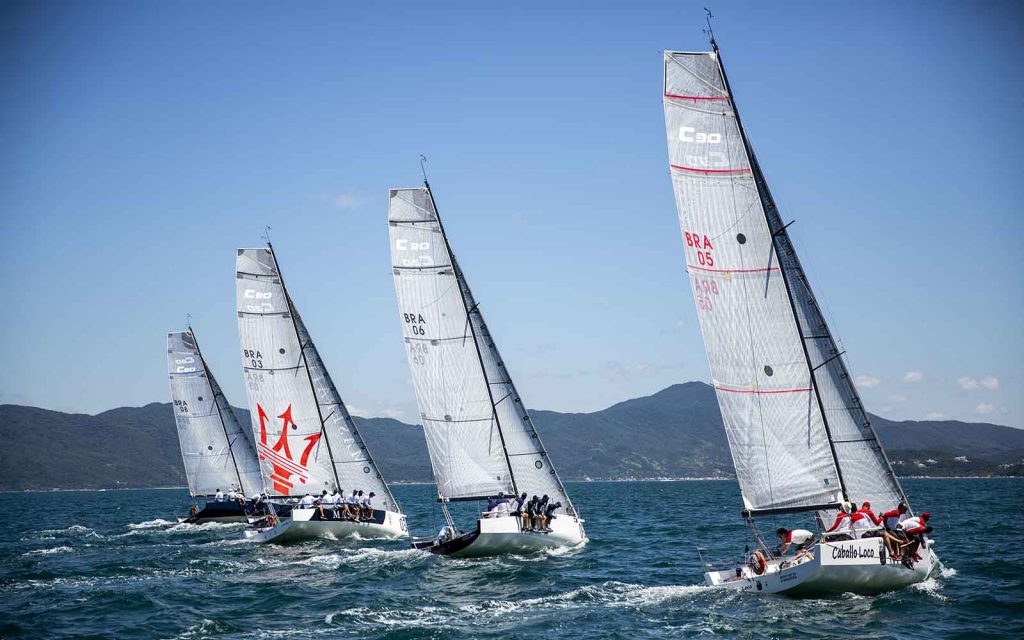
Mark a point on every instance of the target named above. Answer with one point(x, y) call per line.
point(676, 432)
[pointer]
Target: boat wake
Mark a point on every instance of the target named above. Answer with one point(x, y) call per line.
point(151, 524)
point(497, 612)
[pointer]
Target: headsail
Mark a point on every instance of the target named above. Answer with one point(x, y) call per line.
point(479, 434)
point(306, 438)
point(216, 450)
point(799, 437)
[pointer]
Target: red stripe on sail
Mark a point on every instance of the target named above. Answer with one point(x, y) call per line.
point(690, 266)
point(762, 392)
point(672, 95)
point(696, 170)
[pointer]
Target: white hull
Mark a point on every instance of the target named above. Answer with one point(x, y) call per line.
point(496, 536)
point(239, 518)
point(302, 526)
point(851, 566)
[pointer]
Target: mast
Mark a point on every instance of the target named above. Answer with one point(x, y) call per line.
point(305, 363)
point(216, 391)
point(768, 204)
point(460, 278)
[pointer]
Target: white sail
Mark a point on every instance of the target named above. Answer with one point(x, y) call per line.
point(798, 436)
point(216, 451)
point(479, 435)
point(306, 438)
point(774, 426)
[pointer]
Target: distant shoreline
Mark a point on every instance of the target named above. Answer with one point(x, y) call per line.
point(589, 480)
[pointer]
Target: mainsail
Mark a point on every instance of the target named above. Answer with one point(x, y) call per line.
point(479, 434)
point(217, 451)
point(799, 436)
point(307, 440)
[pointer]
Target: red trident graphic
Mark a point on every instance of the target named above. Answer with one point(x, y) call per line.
point(280, 455)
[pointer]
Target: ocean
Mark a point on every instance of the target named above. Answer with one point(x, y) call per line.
point(114, 564)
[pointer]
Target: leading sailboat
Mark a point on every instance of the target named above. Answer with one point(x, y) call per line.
point(306, 439)
point(218, 452)
point(481, 441)
point(800, 438)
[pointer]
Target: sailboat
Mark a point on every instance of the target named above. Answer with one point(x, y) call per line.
point(218, 453)
point(481, 441)
point(306, 440)
point(800, 438)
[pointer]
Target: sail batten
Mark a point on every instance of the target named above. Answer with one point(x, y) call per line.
point(798, 434)
point(215, 450)
point(479, 435)
point(306, 438)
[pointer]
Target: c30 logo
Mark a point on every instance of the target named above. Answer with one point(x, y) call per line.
point(424, 260)
point(689, 134)
point(262, 307)
point(182, 364)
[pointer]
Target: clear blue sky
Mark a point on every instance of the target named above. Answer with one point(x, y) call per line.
point(143, 142)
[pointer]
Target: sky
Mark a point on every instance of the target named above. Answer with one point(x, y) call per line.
point(143, 142)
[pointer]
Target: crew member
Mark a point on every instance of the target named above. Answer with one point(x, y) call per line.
point(802, 538)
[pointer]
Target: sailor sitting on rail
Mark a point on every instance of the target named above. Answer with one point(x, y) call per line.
point(549, 513)
point(307, 502)
point(802, 538)
point(366, 505)
point(219, 496)
point(352, 505)
point(842, 528)
point(538, 513)
point(332, 502)
point(865, 523)
point(914, 530)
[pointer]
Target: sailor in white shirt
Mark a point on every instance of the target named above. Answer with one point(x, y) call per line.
point(306, 502)
point(367, 505)
point(219, 496)
point(352, 505)
point(799, 537)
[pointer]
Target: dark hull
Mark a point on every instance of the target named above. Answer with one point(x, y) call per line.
point(449, 547)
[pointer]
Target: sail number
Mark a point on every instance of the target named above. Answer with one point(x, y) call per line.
point(252, 358)
point(703, 245)
point(417, 323)
point(181, 406)
point(424, 260)
point(703, 290)
point(689, 134)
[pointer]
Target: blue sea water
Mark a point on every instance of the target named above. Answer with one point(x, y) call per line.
point(115, 564)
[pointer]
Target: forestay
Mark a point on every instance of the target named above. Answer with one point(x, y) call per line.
point(215, 448)
point(772, 419)
point(479, 435)
point(306, 438)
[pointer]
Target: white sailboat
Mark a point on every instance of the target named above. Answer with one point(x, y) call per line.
point(800, 438)
point(306, 440)
point(218, 453)
point(480, 438)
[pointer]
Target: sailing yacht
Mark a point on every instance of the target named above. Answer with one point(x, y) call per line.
point(218, 453)
point(799, 435)
point(306, 440)
point(481, 441)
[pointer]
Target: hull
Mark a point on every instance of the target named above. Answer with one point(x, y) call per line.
point(851, 566)
point(496, 536)
point(307, 524)
point(222, 511)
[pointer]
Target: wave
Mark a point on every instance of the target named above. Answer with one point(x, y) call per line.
point(159, 523)
point(45, 552)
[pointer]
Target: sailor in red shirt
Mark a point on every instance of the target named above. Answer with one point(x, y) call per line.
point(865, 508)
point(915, 530)
point(843, 524)
point(892, 518)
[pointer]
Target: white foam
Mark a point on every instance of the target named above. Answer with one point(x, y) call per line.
point(151, 524)
point(45, 552)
